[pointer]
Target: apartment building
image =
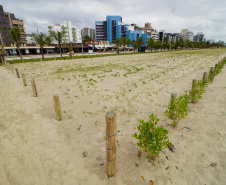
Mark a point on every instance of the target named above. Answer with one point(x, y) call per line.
point(150, 31)
point(187, 35)
point(7, 21)
point(199, 37)
point(113, 28)
point(88, 32)
point(71, 33)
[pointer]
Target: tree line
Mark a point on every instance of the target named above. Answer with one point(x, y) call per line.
point(42, 39)
point(152, 44)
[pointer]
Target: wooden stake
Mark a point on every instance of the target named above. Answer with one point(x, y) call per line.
point(111, 133)
point(17, 73)
point(193, 83)
point(204, 76)
point(173, 97)
point(24, 79)
point(56, 101)
point(35, 93)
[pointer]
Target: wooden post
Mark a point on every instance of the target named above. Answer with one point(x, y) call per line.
point(204, 76)
point(35, 93)
point(173, 97)
point(24, 79)
point(17, 73)
point(56, 101)
point(193, 83)
point(111, 133)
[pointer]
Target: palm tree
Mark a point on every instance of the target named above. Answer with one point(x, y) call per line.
point(134, 44)
point(118, 44)
point(125, 41)
point(41, 39)
point(140, 41)
point(151, 43)
point(16, 37)
point(59, 37)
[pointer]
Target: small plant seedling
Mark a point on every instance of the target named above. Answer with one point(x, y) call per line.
point(182, 135)
point(65, 111)
point(214, 164)
point(79, 128)
point(152, 138)
point(177, 109)
point(203, 154)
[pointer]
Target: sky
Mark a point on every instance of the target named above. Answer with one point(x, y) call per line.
point(207, 16)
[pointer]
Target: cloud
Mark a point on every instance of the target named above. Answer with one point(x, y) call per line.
point(205, 16)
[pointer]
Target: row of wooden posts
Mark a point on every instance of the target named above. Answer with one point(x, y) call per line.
point(110, 117)
point(194, 81)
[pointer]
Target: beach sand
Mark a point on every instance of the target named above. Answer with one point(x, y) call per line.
point(36, 149)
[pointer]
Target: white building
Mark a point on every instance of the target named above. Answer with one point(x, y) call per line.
point(30, 39)
point(187, 35)
point(71, 33)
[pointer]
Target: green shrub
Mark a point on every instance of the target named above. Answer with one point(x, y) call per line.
point(152, 138)
point(177, 109)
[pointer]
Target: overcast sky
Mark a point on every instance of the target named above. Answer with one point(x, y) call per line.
point(207, 16)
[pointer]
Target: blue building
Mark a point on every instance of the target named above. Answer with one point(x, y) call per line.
point(113, 28)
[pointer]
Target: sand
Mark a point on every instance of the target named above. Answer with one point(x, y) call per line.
point(36, 149)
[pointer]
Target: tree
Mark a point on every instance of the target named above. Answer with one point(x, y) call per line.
point(140, 41)
point(59, 37)
point(181, 43)
point(118, 44)
point(86, 39)
point(157, 45)
point(165, 42)
point(124, 41)
point(150, 43)
point(15, 35)
point(134, 44)
point(176, 45)
point(168, 46)
point(41, 39)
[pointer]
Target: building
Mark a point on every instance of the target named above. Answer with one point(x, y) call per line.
point(88, 32)
point(7, 21)
point(150, 31)
point(199, 37)
point(162, 35)
point(113, 28)
point(187, 35)
point(70, 33)
point(30, 39)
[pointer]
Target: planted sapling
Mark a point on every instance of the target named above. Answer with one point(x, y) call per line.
point(177, 109)
point(152, 138)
